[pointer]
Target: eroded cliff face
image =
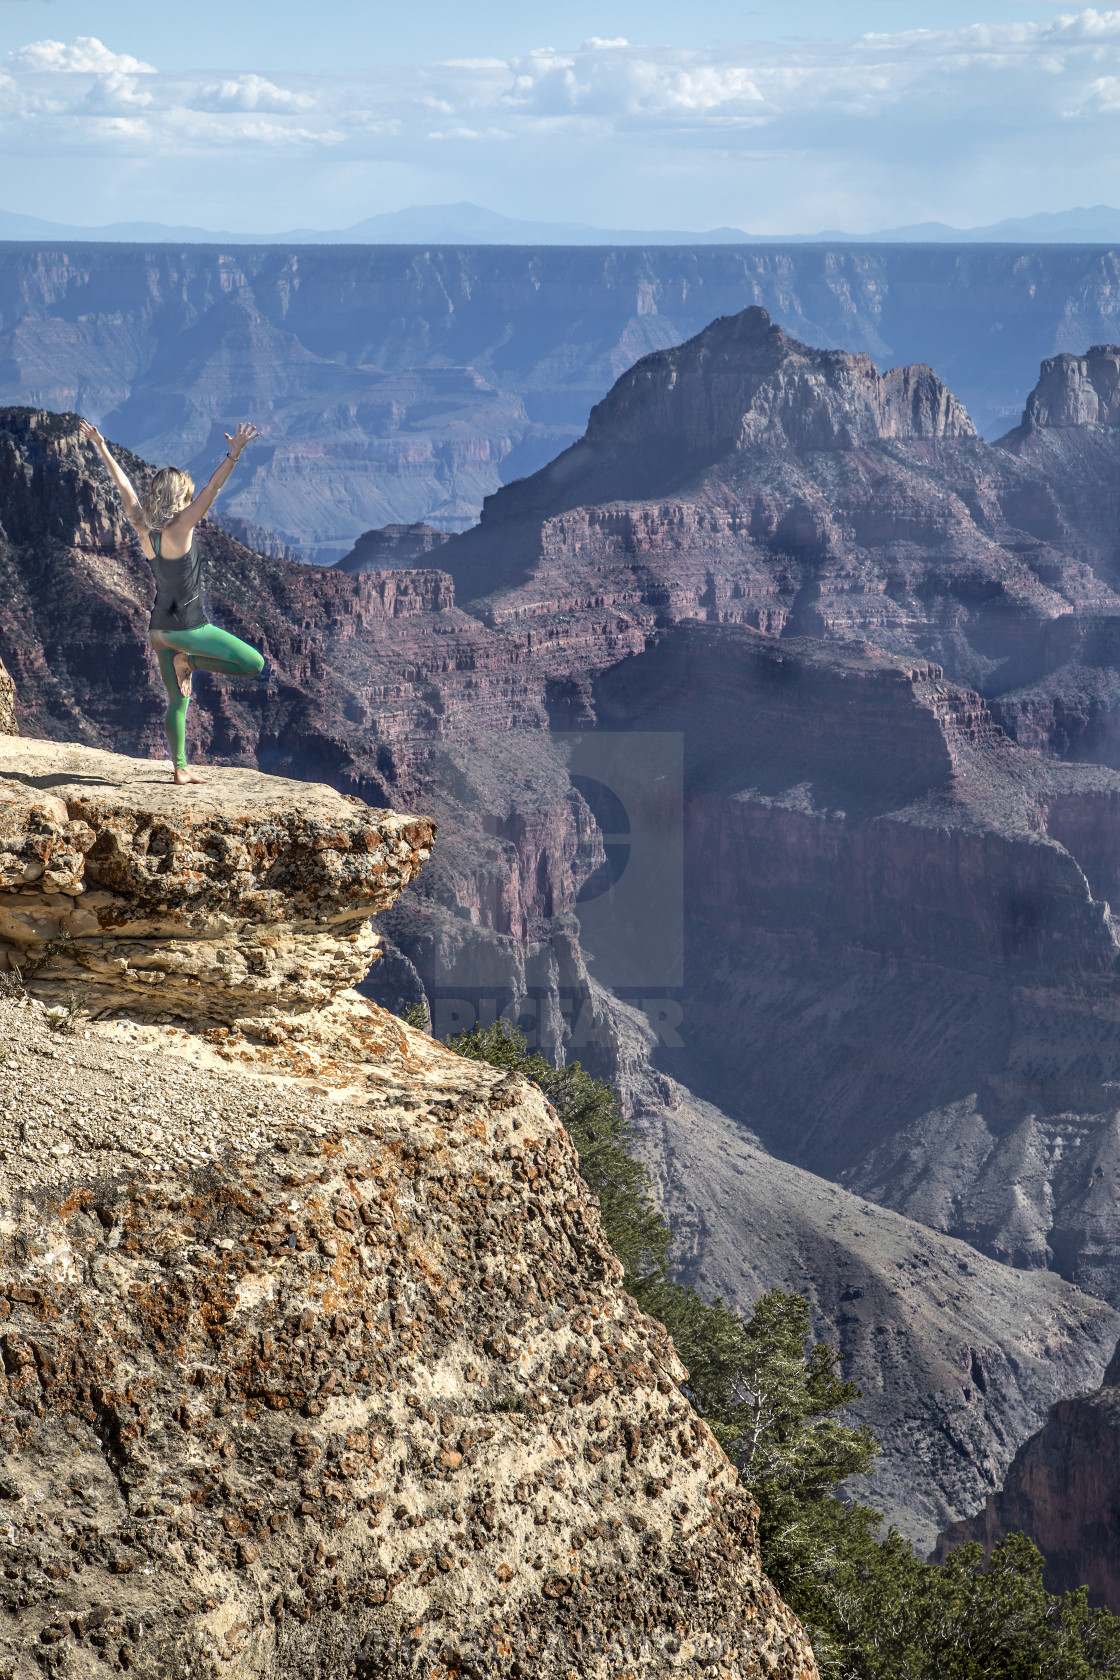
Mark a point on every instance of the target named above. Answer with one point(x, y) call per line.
point(245, 905)
point(364, 363)
point(392, 545)
point(743, 382)
point(1077, 390)
point(745, 478)
point(887, 901)
point(909, 955)
point(315, 1359)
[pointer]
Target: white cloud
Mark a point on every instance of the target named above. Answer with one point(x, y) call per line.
point(117, 92)
point(249, 93)
point(86, 54)
point(958, 124)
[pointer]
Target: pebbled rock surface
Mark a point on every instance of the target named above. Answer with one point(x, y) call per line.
point(326, 1371)
point(313, 1356)
point(246, 899)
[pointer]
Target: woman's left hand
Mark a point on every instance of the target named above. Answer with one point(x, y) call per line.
point(243, 435)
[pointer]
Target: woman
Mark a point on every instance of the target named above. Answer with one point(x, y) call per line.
point(183, 639)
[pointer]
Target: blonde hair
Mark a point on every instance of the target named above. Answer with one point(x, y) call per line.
point(170, 491)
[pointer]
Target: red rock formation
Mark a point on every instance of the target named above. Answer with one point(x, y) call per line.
point(1063, 1489)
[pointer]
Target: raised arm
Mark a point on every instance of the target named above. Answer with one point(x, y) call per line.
point(90, 434)
point(203, 502)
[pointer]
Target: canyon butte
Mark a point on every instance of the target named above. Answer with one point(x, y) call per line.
point(874, 1046)
point(398, 384)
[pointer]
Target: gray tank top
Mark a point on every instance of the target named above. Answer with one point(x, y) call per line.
point(178, 603)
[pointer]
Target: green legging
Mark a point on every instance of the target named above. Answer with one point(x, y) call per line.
point(210, 649)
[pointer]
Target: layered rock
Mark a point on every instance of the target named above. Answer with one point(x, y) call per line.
point(392, 545)
point(896, 936)
point(246, 902)
point(909, 949)
point(743, 382)
point(1063, 1490)
point(360, 357)
point(256, 537)
point(315, 1359)
point(1077, 390)
point(956, 1355)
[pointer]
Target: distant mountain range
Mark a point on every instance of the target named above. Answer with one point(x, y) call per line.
point(469, 224)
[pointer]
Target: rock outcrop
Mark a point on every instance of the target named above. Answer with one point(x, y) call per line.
point(1063, 1489)
point(315, 1360)
point(243, 903)
point(897, 931)
point(1077, 390)
point(743, 382)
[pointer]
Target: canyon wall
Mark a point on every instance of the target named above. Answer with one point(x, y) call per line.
point(402, 383)
point(887, 952)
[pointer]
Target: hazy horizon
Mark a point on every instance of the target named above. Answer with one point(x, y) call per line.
point(784, 120)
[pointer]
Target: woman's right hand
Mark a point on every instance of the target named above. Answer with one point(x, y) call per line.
point(89, 433)
point(245, 434)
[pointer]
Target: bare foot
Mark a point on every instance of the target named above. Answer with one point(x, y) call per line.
point(182, 776)
point(183, 674)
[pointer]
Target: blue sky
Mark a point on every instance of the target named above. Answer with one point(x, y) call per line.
point(629, 113)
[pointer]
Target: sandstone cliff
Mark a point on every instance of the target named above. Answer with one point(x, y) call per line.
point(314, 1356)
point(8, 724)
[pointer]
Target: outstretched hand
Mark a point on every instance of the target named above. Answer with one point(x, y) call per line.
point(89, 433)
point(243, 435)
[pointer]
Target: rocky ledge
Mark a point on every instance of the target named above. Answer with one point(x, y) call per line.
point(245, 902)
point(314, 1357)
